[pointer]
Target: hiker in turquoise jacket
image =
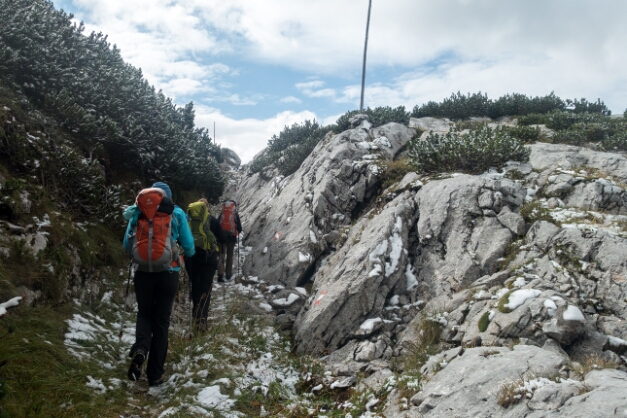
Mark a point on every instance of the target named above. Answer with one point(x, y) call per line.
point(183, 235)
point(155, 296)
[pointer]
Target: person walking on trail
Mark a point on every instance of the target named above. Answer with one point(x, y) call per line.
point(155, 223)
point(231, 225)
point(201, 267)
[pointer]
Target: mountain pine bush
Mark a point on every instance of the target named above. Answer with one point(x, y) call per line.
point(473, 152)
point(288, 150)
point(459, 106)
point(377, 117)
point(104, 104)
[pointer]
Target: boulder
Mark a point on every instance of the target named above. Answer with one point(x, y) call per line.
point(230, 157)
point(458, 244)
point(290, 217)
point(469, 385)
point(550, 156)
point(357, 279)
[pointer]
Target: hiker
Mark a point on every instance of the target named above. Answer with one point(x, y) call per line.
point(202, 266)
point(156, 280)
point(231, 225)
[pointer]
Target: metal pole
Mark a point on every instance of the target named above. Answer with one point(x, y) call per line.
point(363, 71)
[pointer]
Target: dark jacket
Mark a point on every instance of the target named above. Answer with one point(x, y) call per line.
point(216, 229)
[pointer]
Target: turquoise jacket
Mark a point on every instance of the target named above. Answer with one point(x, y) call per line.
point(180, 230)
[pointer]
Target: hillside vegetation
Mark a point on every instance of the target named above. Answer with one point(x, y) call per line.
point(81, 131)
point(114, 116)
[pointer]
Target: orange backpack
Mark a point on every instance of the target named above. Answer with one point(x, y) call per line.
point(153, 248)
point(227, 217)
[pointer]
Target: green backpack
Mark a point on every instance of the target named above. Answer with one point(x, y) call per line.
point(199, 224)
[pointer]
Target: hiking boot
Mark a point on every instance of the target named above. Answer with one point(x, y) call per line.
point(134, 370)
point(220, 278)
point(157, 382)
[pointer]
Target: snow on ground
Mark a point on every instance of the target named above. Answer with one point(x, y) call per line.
point(242, 360)
point(9, 304)
point(519, 297)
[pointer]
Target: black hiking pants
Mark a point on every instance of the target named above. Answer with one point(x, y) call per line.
point(155, 295)
point(226, 258)
point(201, 268)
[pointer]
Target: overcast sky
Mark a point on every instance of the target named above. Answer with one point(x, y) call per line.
point(253, 66)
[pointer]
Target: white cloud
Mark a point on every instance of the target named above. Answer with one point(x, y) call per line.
point(247, 137)
point(430, 48)
point(291, 99)
point(232, 98)
point(309, 85)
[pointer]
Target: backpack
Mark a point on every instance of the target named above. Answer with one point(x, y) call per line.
point(199, 224)
point(227, 217)
point(153, 248)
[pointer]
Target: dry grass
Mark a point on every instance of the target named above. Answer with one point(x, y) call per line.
point(591, 362)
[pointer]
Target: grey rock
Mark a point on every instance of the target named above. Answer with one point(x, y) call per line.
point(469, 384)
point(355, 282)
point(396, 137)
point(438, 125)
point(231, 159)
point(459, 244)
point(599, 194)
point(411, 181)
point(549, 156)
point(285, 321)
point(563, 330)
point(541, 233)
point(604, 396)
point(341, 173)
point(28, 295)
point(357, 121)
point(513, 221)
point(376, 381)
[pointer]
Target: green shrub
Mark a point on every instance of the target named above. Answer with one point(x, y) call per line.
point(584, 106)
point(394, 171)
point(564, 119)
point(104, 105)
point(616, 142)
point(260, 162)
point(533, 119)
point(534, 211)
point(377, 117)
point(484, 321)
point(460, 106)
point(294, 143)
point(526, 134)
point(474, 152)
point(571, 137)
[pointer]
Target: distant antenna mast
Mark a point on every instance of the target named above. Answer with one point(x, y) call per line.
point(214, 133)
point(363, 71)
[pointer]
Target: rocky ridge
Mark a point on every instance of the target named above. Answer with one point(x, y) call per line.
point(523, 270)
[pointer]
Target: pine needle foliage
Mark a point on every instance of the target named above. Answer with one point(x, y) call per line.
point(473, 152)
point(377, 117)
point(288, 150)
point(105, 104)
point(463, 106)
